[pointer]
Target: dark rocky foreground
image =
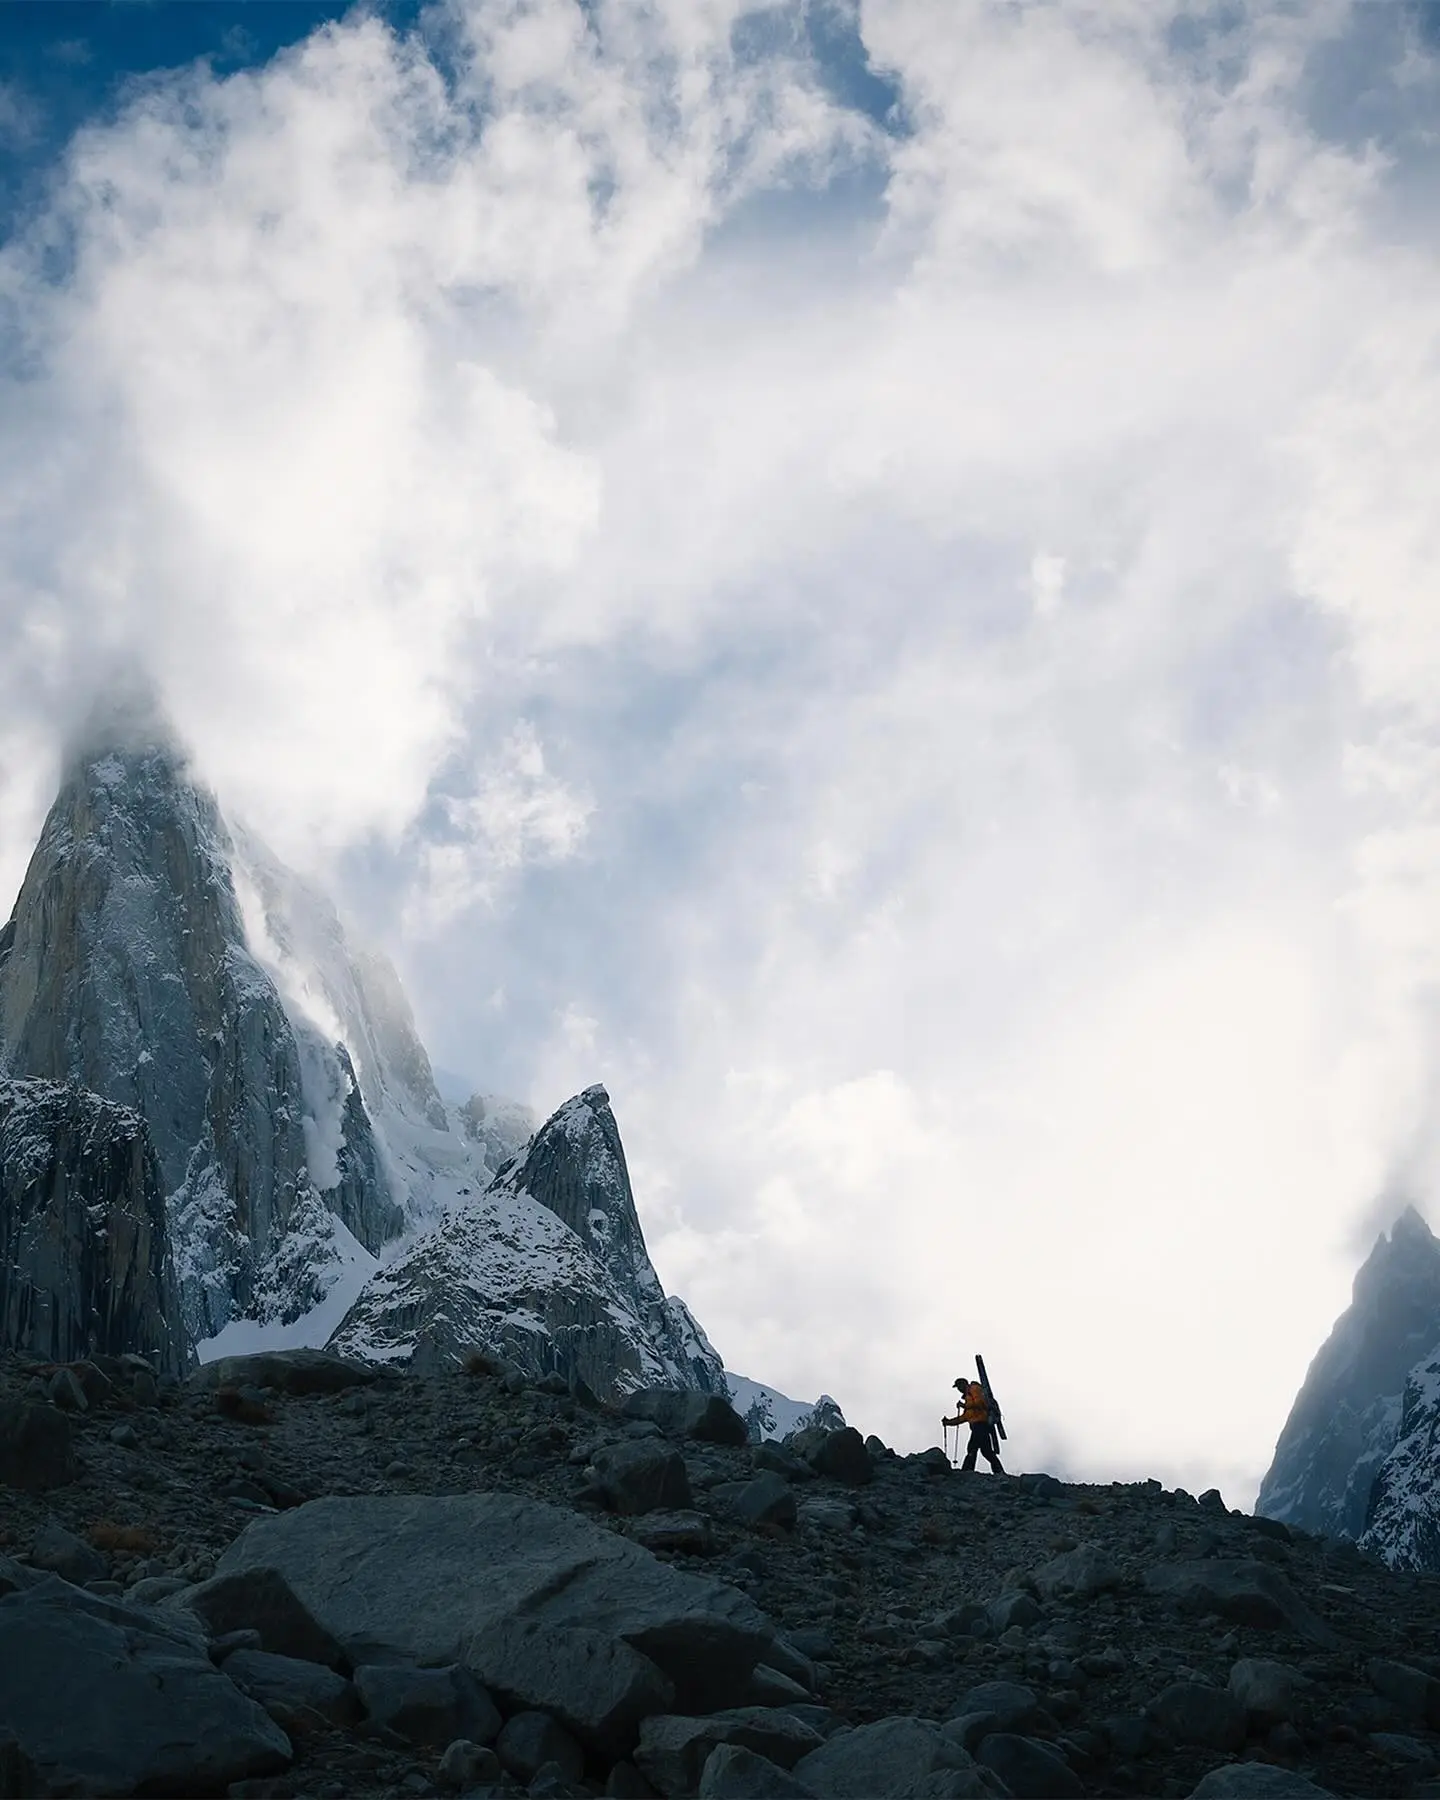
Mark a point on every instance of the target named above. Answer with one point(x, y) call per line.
point(291, 1576)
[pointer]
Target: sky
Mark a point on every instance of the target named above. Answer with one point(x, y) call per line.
point(864, 574)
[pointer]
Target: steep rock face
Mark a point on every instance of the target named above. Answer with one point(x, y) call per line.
point(85, 1267)
point(1347, 1416)
point(1404, 1522)
point(125, 970)
point(510, 1272)
point(575, 1166)
point(297, 932)
point(423, 1157)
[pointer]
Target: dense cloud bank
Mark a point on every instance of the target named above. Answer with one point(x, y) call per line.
point(902, 639)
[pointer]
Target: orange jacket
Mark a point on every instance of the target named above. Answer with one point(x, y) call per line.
point(974, 1410)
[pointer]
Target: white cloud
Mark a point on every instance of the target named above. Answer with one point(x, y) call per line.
point(518, 814)
point(929, 694)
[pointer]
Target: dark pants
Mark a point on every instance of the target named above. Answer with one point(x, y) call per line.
point(982, 1440)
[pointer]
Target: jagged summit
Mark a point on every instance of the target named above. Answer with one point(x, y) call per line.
point(1410, 1227)
point(126, 969)
point(1347, 1416)
point(546, 1267)
point(1408, 1237)
point(277, 1091)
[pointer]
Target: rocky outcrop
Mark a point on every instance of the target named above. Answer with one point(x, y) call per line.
point(125, 970)
point(575, 1167)
point(505, 1276)
point(98, 1697)
point(545, 1608)
point(85, 1266)
point(1347, 1417)
point(546, 1269)
point(467, 1612)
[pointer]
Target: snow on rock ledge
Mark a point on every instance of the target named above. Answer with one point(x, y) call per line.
point(547, 1268)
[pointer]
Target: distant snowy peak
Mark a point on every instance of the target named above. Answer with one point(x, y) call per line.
point(770, 1414)
point(285, 1128)
point(126, 970)
point(1347, 1417)
point(1403, 1528)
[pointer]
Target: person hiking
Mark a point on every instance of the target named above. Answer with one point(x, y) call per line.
point(974, 1411)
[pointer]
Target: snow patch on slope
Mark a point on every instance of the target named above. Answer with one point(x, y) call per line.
point(1403, 1527)
point(771, 1414)
point(503, 1274)
point(347, 1265)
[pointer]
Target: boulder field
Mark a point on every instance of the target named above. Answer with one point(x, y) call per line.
point(290, 1575)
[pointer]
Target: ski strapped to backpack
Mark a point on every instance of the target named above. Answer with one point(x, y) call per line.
point(995, 1419)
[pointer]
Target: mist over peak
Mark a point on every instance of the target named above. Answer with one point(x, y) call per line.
point(126, 715)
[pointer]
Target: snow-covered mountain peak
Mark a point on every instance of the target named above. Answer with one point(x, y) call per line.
point(1347, 1415)
point(167, 962)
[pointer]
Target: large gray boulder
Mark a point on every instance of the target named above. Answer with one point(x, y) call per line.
point(1078, 1574)
point(709, 1418)
point(104, 1698)
point(37, 1447)
point(1414, 1692)
point(734, 1773)
point(1029, 1769)
point(1195, 1713)
point(1247, 1593)
point(1257, 1781)
point(767, 1499)
point(298, 1695)
point(60, 1552)
point(428, 1706)
point(596, 1685)
point(892, 1759)
point(547, 1609)
point(287, 1372)
point(261, 1600)
point(1269, 1691)
point(837, 1452)
point(642, 1478)
point(1013, 1705)
point(674, 1748)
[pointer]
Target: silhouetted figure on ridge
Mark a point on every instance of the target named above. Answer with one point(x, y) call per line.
point(974, 1411)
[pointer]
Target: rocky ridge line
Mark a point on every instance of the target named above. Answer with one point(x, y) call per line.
point(305, 1532)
